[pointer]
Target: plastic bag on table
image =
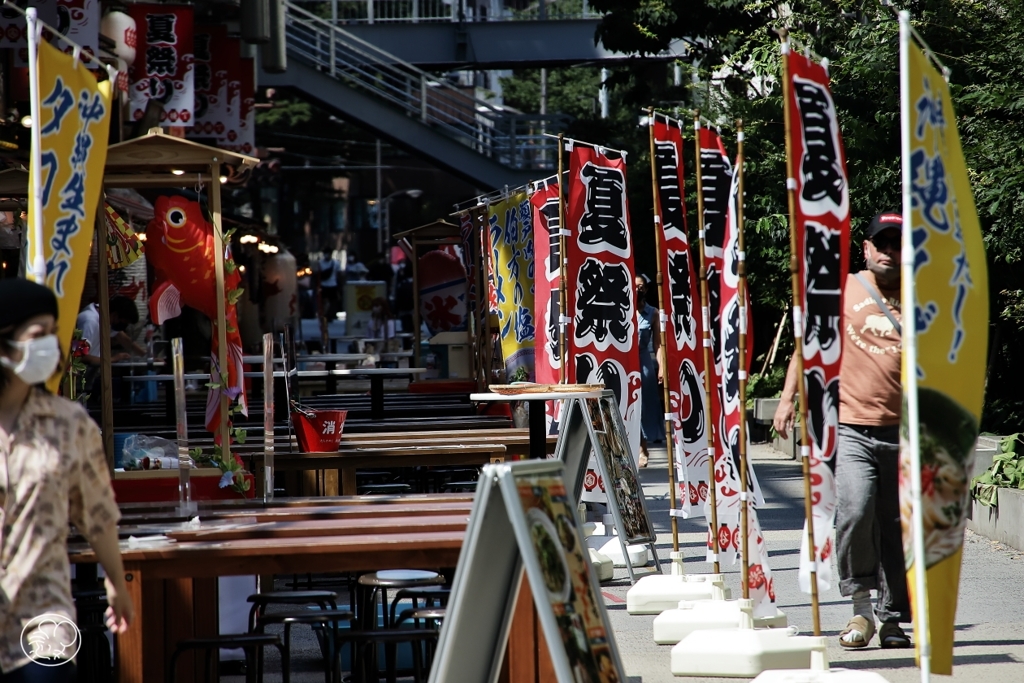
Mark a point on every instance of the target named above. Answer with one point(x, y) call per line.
point(143, 452)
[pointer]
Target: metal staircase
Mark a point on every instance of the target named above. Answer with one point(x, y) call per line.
point(481, 142)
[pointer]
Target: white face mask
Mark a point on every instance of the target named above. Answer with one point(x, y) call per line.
point(39, 358)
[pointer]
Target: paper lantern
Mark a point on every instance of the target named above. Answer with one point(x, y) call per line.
point(120, 28)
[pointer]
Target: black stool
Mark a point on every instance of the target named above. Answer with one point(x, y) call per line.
point(327, 618)
point(323, 599)
point(249, 642)
point(428, 594)
point(366, 605)
point(364, 652)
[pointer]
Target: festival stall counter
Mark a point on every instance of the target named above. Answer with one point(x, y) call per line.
point(446, 271)
point(158, 160)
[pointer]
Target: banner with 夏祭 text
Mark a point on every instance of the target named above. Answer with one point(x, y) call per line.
point(822, 232)
point(163, 69)
point(510, 225)
point(74, 128)
point(603, 338)
point(951, 324)
point(684, 354)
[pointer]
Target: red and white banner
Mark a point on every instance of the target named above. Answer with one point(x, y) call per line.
point(546, 233)
point(602, 342)
point(228, 56)
point(728, 317)
point(77, 20)
point(163, 68)
point(684, 352)
point(823, 244)
point(246, 142)
point(206, 83)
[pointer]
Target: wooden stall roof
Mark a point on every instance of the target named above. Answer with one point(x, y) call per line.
point(152, 159)
point(438, 230)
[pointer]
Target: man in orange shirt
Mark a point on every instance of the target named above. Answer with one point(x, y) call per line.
point(869, 545)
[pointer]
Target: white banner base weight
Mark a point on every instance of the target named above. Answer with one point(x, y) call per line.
point(673, 625)
point(639, 555)
point(819, 676)
point(603, 565)
point(745, 652)
point(660, 592)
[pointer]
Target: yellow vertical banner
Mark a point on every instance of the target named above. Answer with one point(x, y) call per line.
point(510, 226)
point(74, 129)
point(950, 321)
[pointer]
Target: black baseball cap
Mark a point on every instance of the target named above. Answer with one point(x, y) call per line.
point(884, 221)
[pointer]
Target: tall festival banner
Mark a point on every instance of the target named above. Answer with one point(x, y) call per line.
point(510, 226)
point(208, 81)
point(945, 278)
point(822, 233)
point(683, 353)
point(546, 232)
point(74, 123)
point(603, 339)
point(163, 70)
point(721, 247)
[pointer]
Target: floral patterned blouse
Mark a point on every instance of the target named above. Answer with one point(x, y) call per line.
point(52, 472)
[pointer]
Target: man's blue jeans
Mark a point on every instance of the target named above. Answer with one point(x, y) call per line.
point(869, 541)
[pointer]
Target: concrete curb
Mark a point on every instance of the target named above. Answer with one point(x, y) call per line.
point(1004, 522)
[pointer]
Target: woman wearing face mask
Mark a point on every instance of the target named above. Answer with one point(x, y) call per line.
point(52, 472)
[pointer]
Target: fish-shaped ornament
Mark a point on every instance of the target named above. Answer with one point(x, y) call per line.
point(179, 244)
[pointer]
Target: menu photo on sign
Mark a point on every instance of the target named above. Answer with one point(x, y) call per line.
point(554, 554)
point(620, 474)
point(524, 517)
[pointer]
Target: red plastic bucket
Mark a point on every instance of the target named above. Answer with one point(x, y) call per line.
point(319, 431)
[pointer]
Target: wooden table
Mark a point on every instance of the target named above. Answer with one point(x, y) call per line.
point(344, 463)
point(174, 586)
point(377, 377)
point(538, 422)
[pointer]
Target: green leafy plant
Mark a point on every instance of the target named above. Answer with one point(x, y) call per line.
point(232, 465)
point(520, 375)
point(1007, 471)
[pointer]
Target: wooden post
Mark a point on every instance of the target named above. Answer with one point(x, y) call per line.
point(708, 360)
point(562, 314)
point(416, 322)
point(106, 383)
point(798, 350)
point(669, 421)
point(222, 326)
point(741, 289)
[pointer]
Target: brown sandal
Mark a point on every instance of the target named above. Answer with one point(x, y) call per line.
point(861, 626)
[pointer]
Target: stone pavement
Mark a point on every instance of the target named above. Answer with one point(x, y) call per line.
point(990, 613)
point(990, 616)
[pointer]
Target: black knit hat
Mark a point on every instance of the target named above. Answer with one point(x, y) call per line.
point(22, 299)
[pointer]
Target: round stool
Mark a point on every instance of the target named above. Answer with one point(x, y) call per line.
point(325, 600)
point(370, 584)
point(428, 594)
point(249, 642)
point(327, 618)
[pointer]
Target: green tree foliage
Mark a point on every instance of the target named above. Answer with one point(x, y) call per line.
point(732, 72)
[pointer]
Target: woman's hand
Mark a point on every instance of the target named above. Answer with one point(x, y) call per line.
point(120, 611)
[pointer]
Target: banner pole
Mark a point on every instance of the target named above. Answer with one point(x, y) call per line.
point(706, 319)
point(798, 352)
point(562, 346)
point(669, 421)
point(222, 326)
point(36, 159)
point(919, 605)
point(741, 289)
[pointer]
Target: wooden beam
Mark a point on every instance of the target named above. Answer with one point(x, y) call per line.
point(102, 288)
point(222, 326)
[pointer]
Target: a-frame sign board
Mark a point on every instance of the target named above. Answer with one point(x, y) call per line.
point(527, 501)
point(591, 425)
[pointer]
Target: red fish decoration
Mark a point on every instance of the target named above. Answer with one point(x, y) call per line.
point(180, 247)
